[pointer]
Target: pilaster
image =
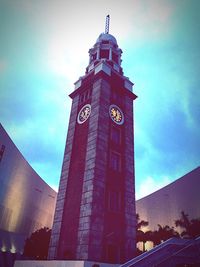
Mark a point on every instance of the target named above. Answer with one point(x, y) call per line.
point(90, 232)
point(56, 229)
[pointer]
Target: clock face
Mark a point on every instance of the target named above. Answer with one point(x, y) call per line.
point(84, 113)
point(116, 114)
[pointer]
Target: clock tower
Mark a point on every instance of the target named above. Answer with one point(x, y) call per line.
point(95, 211)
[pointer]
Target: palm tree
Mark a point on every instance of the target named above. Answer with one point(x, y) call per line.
point(163, 233)
point(142, 236)
point(140, 223)
point(191, 227)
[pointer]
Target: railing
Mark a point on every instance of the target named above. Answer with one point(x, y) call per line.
point(166, 249)
point(193, 243)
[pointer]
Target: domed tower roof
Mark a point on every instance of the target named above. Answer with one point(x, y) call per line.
point(106, 37)
point(105, 49)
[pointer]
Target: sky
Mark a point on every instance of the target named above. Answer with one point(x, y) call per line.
point(44, 50)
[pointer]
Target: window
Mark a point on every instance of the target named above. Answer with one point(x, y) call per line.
point(85, 96)
point(115, 135)
point(1, 152)
point(115, 161)
point(105, 42)
point(82, 98)
point(104, 53)
point(115, 58)
point(117, 98)
point(114, 201)
point(94, 57)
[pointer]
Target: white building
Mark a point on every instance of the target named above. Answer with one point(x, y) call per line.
point(165, 205)
point(27, 203)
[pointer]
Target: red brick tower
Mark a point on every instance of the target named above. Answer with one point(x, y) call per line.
point(95, 212)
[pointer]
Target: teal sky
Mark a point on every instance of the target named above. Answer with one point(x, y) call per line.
point(44, 50)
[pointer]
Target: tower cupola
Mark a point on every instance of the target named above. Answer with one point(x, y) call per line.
point(105, 49)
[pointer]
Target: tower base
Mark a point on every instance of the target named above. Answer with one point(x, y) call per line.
point(61, 263)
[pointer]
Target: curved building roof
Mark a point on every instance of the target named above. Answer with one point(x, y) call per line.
point(27, 203)
point(165, 205)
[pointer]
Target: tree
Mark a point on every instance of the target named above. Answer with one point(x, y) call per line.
point(140, 223)
point(163, 233)
point(191, 227)
point(142, 236)
point(36, 246)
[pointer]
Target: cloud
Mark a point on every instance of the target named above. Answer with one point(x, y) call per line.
point(44, 50)
point(3, 65)
point(150, 185)
point(167, 111)
point(42, 144)
point(166, 146)
point(49, 171)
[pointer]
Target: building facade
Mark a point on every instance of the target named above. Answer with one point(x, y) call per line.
point(27, 203)
point(165, 205)
point(95, 211)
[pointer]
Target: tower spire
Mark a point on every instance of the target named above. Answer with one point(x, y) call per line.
point(107, 24)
